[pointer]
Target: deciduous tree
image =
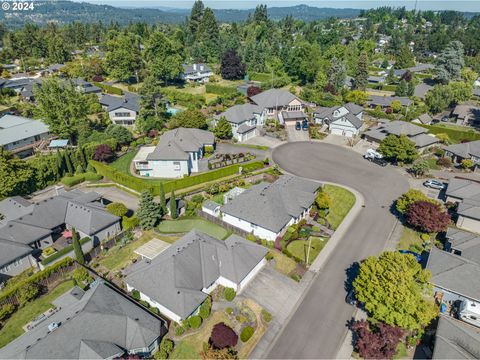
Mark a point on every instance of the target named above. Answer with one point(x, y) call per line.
point(398, 148)
point(222, 337)
point(232, 67)
point(427, 216)
point(378, 342)
point(189, 119)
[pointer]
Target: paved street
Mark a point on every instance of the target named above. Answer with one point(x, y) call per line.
point(318, 326)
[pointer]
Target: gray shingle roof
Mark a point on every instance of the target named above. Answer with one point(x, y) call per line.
point(423, 140)
point(456, 339)
point(211, 205)
point(272, 206)
point(469, 208)
point(463, 111)
point(355, 121)
point(128, 101)
point(422, 89)
point(465, 150)
point(188, 69)
point(100, 323)
point(466, 242)
point(176, 277)
point(425, 119)
point(11, 251)
point(463, 189)
point(244, 128)
point(238, 114)
point(272, 98)
point(15, 128)
point(454, 273)
point(175, 144)
point(387, 100)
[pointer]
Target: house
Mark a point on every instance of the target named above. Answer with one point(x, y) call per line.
point(421, 90)
point(179, 279)
point(244, 120)
point(86, 87)
point(178, 153)
point(54, 68)
point(22, 135)
point(122, 110)
point(419, 68)
point(345, 120)
point(232, 194)
point(424, 119)
point(416, 134)
point(468, 214)
point(280, 105)
point(196, 72)
point(469, 150)
point(456, 339)
point(39, 225)
point(466, 114)
point(372, 79)
point(461, 189)
point(267, 209)
point(386, 101)
point(99, 323)
point(463, 243)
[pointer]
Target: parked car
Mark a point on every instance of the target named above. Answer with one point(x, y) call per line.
point(417, 256)
point(445, 119)
point(434, 184)
point(379, 161)
point(305, 125)
point(298, 126)
point(371, 153)
point(350, 298)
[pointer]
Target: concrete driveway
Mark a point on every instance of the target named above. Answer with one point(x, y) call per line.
point(114, 194)
point(296, 135)
point(265, 140)
point(318, 327)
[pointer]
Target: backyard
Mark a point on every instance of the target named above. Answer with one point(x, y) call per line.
point(122, 164)
point(342, 201)
point(185, 224)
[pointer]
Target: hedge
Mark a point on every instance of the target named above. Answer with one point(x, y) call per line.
point(221, 90)
point(246, 333)
point(139, 185)
point(255, 76)
point(454, 135)
point(109, 89)
point(79, 178)
point(63, 252)
point(184, 98)
point(45, 273)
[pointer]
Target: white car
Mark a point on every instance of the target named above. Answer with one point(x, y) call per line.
point(372, 154)
point(434, 184)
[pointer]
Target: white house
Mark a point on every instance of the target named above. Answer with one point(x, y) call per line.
point(267, 209)
point(177, 154)
point(280, 105)
point(21, 135)
point(345, 120)
point(244, 120)
point(196, 72)
point(121, 110)
point(179, 279)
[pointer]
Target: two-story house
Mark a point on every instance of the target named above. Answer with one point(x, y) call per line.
point(244, 120)
point(280, 105)
point(345, 120)
point(122, 110)
point(178, 153)
point(196, 72)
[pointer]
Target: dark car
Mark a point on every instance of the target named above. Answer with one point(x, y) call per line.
point(298, 126)
point(445, 119)
point(350, 298)
point(381, 162)
point(416, 255)
point(305, 125)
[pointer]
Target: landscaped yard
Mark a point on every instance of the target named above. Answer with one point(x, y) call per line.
point(13, 327)
point(184, 225)
point(283, 263)
point(342, 202)
point(122, 164)
point(410, 240)
point(299, 248)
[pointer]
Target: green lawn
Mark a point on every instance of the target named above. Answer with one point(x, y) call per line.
point(283, 263)
point(252, 146)
point(122, 164)
point(13, 327)
point(432, 163)
point(183, 350)
point(184, 225)
point(342, 202)
point(299, 248)
point(410, 240)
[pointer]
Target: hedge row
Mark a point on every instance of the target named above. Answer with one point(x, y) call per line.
point(153, 185)
point(79, 178)
point(454, 135)
point(183, 98)
point(221, 90)
point(255, 76)
point(63, 252)
point(109, 89)
point(41, 275)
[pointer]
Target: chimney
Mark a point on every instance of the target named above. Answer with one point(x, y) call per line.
point(194, 66)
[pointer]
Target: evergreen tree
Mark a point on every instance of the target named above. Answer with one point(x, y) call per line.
point(148, 211)
point(361, 78)
point(450, 62)
point(173, 205)
point(223, 129)
point(391, 78)
point(195, 19)
point(402, 88)
point(68, 162)
point(163, 202)
point(60, 165)
point(81, 157)
point(337, 74)
point(209, 36)
point(405, 58)
point(77, 247)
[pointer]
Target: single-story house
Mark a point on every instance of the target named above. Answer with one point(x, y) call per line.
point(345, 120)
point(469, 150)
point(122, 110)
point(99, 323)
point(456, 339)
point(468, 214)
point(54, 68)
point(421, 90)
point(244, 120)
point(386, 101)
point(268, 209)
point(232, 194)
point(466, 114)
point(463, 243)
point(86, 87)
point(278, 103)
point(196, 72)
point(415, 133)
point(461, 189)
point(179, 279)
point(424, 119)
point(374, 79)
point(38, 225)
point(21, 135)
point(178, 153)
point(419, 68)
point(211, 207)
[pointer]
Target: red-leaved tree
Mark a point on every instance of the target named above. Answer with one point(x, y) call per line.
point(104, 153)
point(222, 337)
point(379, 344)
point(427, 216)
point(253, 90)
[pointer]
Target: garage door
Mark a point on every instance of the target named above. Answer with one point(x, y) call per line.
point(335, 131)
point(348, 133)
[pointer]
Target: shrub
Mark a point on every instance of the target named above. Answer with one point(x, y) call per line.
point(266, 316)
point(427, 217)
point(81, 275)
point(92, 176)
point(195, 321)
point(136, 294)
point(117, 209)
point(467, 163)
point(104, 153)
point(6, 311)
point(79, 170)
point(425, 237)
point(48, 251)
point(222, 336)
point(444, 162)
point(164, 350)
point(27, 293)
point(180, 330)
point(108, 88)
point(229, 310)
point(246, 333)
point(205, 308)
point(129, 222)
point(379, 344)
point(403, 202)
point(229, 294)
point(269, 256)
point(73, 180)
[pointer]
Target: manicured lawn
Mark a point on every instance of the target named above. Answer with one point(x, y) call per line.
point(118, 257)
point(184, 225)
point(299, 248)
point(410, 240)
point(252, 146)
point(432, 163)
point(342, 202)
point(183, 350)
point(122, 164)
point(283, 263)
point(13, 327)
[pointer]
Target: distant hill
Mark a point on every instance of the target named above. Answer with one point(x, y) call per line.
point(67, 11)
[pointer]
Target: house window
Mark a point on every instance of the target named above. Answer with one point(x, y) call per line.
point(176, 165)
point(122, 114)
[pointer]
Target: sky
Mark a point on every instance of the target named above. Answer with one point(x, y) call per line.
point(465, 5)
